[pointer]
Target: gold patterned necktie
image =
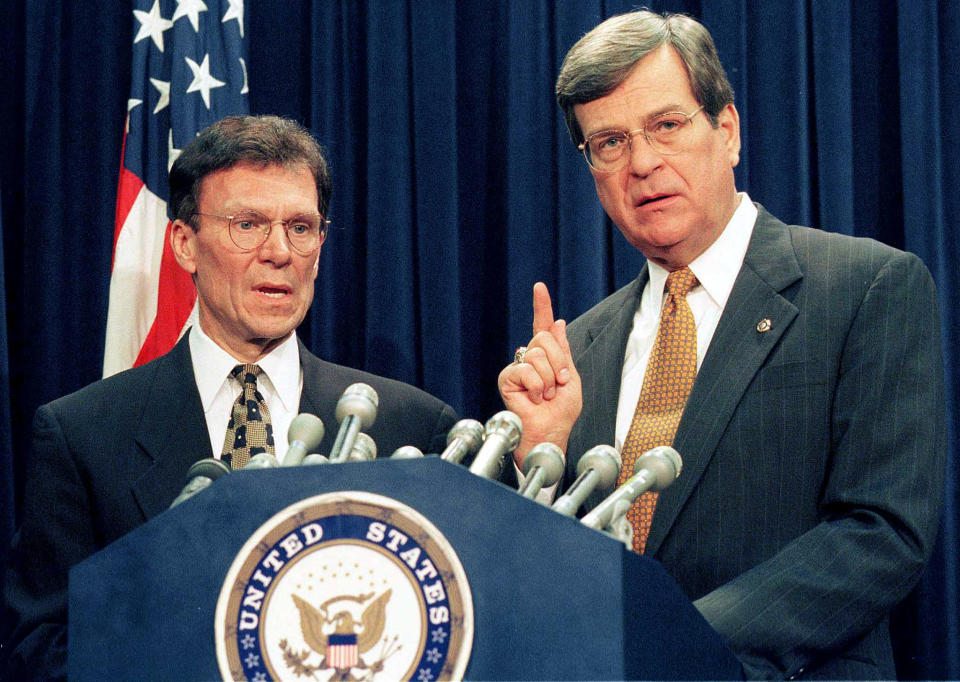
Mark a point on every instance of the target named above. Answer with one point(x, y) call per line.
point(666, 385)
point(249, 431)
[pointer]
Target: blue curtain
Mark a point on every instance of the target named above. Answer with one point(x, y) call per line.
point(6, 445)
point(456, 187)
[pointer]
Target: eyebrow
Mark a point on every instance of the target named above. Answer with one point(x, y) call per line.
point(289, 214)
point(665, 109)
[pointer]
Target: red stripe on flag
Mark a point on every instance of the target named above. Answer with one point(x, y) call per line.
point(175, 299)
point(128, 187)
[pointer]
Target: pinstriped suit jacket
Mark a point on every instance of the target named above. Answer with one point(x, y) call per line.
point(813, 452)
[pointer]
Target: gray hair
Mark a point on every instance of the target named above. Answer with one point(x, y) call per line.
point(604, 58)
point(260, 140)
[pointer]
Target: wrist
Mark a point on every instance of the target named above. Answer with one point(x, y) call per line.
point(527, 442)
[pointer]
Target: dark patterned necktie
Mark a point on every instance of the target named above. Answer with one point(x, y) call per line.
point(249, 431)
point(666, 386)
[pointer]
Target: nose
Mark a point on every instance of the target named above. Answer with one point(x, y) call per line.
point(644, 159)
point(276, 249)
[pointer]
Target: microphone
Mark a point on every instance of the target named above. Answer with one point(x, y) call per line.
point(262, 460)
point(363, 450)
point(597, 469)
point(464, 439)
point(407, 452)
point(655, 470)
point(305, 433)
point(356, 410)
point(199, 477)
point(543, 466)
point(502, 435)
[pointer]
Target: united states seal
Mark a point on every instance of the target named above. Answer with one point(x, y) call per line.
point(345, 586)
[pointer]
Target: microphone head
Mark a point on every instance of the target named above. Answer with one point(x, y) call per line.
point(549, 458)
point(407, 452)
point(605, 460)
point(469, 431)
point(263, 460)
point(663, 462)
point(506, 424)
point(308, 429)
point(361, 401)
point(209, 467)
point(364, 449)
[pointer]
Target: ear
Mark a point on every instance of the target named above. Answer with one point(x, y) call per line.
point(316, 263)
point(728, 121)
point(183, 243)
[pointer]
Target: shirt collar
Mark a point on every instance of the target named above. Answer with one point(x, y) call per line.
point(212, 366)
point(717, 267)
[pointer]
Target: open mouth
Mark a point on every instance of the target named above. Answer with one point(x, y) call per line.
point(273, 292)
point(649, 201)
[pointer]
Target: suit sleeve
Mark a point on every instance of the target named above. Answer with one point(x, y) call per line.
point(55, 534)
point(880, 501)
point(444, 422)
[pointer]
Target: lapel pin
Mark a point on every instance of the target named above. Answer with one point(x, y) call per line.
point(764, 325)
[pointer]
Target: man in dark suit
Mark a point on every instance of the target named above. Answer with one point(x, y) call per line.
point(249, 196)
point(813, 433)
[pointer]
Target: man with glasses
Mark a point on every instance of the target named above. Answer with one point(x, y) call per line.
point(249, 198)
point(797, 372)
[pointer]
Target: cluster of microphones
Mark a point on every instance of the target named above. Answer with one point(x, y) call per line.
point(597, 470)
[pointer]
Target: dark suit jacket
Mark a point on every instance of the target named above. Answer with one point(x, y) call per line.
point(813, 453)
point(114, 454)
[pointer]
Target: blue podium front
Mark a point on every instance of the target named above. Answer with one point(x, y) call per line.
point(548, 598)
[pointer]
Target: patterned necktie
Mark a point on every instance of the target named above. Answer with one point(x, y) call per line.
point(666, 386)
point(249, 431)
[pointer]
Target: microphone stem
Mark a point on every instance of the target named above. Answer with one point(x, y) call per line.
point(488, 459)
point(295, 453)
point(196, 484)
point(601, 515)
point(533, 483)
point(569, 503)
point(345, 439)
point(455, 451)
point(639, 483)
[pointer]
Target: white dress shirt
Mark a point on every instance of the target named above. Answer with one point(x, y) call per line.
point(280, 384)
point(716, 269)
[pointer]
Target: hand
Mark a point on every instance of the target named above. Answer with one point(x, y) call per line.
point(544, 390)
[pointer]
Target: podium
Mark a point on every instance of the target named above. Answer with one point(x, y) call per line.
point(552, 599)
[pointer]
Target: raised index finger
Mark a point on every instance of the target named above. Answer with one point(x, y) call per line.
point(542, 309)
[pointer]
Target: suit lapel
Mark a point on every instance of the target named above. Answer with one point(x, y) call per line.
point(323, 384)
point(313, 396)
point(172, 431)
point(736, 353)
point(600, 363)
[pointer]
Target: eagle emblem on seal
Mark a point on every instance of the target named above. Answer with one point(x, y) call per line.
point(341, 636)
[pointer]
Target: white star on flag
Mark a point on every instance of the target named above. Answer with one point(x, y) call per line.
point(152, 25)
point(235, 11)
point(172, 153)
point(190, 9)
point(131, 103)
point(246, 88)
point(202, 80)
point(163, 87)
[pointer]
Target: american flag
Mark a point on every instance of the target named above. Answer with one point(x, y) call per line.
point(342, 651)
point(189, 70)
